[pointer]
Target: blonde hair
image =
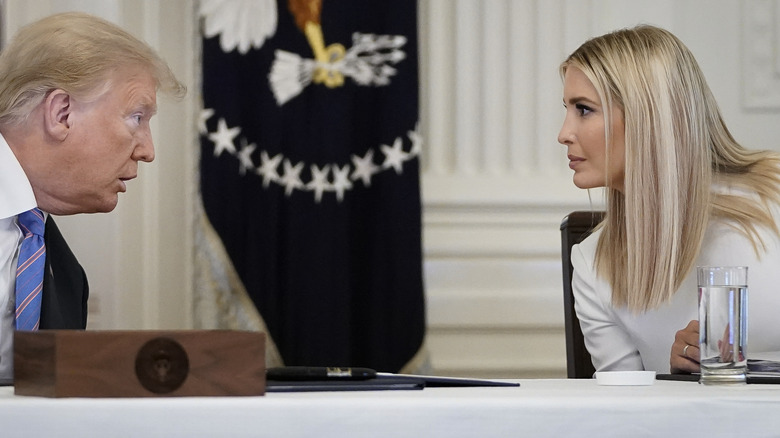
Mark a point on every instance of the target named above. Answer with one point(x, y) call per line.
point(677, 148)
point(75, 52)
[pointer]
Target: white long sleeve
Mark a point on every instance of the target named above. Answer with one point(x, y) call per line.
point(620, 340)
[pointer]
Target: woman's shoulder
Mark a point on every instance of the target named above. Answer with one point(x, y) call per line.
point(589, 244)
point(585, 251)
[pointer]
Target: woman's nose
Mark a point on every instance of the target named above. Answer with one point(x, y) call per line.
point(565, 135)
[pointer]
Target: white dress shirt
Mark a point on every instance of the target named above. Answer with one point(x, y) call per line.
point(618, 339)
point(16, 196)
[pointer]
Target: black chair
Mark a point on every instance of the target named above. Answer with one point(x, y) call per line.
point(574, 228)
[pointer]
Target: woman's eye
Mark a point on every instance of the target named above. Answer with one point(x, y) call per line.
point(583, 110)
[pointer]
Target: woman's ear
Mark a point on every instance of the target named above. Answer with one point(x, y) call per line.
point(57, 114)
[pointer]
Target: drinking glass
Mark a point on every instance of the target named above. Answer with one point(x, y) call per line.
point(723, 298)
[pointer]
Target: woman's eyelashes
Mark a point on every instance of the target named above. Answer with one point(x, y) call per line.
point(583, 110)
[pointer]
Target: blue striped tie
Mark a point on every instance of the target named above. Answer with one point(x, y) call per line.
point(29, 273)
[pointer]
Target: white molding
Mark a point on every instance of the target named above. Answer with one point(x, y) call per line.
point(436, 100)
point(518, 190)
point(761, 54)
point(498, 354)
point(522, 39)
point(492, 242)
point(537, 306)
point(494, 99)
point(468, 86)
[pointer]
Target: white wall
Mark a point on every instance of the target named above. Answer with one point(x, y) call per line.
point(495, 182)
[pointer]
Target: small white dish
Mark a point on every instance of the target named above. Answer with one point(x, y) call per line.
point(625, 378)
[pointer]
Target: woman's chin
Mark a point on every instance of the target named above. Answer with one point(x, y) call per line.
point(583, 183)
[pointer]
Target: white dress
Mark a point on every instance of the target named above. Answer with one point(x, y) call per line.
point(621, 340)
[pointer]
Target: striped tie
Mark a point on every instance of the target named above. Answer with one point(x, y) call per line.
point(29, 273)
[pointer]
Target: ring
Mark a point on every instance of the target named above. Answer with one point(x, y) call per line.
point(685, 351)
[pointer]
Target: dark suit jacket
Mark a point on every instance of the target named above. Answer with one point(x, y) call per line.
point(65, 288)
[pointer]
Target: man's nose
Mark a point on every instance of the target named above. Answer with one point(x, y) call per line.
point(144, 151)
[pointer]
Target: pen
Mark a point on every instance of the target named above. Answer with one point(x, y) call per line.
point(318, 373)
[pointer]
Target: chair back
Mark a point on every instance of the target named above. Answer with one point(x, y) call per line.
point(574, 228)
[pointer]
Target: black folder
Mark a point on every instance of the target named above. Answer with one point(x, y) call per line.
point(379, 383)
point(382, 382)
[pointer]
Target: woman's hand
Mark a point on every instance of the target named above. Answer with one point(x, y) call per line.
point(685, 350)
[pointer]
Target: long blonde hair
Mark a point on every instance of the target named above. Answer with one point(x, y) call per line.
point(677, 148)
point(75, 52)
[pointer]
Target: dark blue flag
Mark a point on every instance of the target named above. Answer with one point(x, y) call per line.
point(309, 172)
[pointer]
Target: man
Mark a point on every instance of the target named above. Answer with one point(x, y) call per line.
point(76, 97)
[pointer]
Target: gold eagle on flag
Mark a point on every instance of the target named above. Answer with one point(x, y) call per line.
point(247, 24)
point(368, 62)
point(307, 17)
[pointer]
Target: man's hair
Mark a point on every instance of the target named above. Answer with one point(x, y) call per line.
point(677, 149)
point(75, 52)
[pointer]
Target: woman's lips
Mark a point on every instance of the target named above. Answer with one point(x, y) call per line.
point(574, 160)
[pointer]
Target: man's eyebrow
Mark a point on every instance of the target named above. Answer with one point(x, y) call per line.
point(148, 107)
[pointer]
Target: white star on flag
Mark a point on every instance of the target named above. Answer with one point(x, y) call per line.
point(223, 138)
point(205, 114)
point(341, 181)
point(268, 168)
point(319, 181)
point(245, 157)
point(292, 177)
point(417, 142)
point(394, 156)
point(364, 167)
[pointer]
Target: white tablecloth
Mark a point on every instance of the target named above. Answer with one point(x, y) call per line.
point(536, 408)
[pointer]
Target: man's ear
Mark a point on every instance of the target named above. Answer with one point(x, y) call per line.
point(57, 114)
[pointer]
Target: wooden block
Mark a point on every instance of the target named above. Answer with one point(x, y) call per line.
point(147, 363)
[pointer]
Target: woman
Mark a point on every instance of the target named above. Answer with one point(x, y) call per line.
point(680, 193)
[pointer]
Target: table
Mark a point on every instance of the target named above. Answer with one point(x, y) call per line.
point(537, 408)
